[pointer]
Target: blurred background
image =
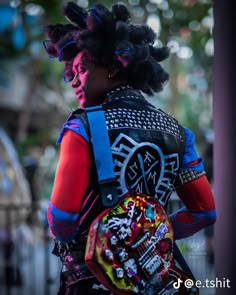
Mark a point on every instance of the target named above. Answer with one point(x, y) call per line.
point(35, 101)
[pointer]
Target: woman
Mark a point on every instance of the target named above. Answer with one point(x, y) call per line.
point(111, 62)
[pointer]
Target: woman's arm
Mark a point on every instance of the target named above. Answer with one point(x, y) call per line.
point(70, 184)
point(199, 210)
point(195, 192)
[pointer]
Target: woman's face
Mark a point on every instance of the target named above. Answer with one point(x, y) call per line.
point(91, 82)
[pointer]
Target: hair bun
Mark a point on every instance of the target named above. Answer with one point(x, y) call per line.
point(120, 12)
point(160, 53)
point(75, 14)
point(142, 34)
point(122, 31)
point(100, 19)
point(56, 32)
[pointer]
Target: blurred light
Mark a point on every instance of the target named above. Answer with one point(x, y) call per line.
point(209, 134)
point(49, 152)
point(156, 1)
point(202, 85)
point(173, 45)
point(8, 15)
point(35, 48)
point(134, 2)
point(194, 25)
point(164, 5)
point(83, 3)
point(15, 3)
point(209, 47)
point(151, 7)
point(185, 33)
point(198, 80)
point(138, 12)
point(168, 13)
point(18, 37)
point(210, 11)
point(205, 1)
point(154, 22)
point(185, 52)
point(158, 43)
point(208, 22)
point(33, 9)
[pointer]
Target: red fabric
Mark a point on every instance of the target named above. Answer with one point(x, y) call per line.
point(185, 217)
point(73, 173)
point(195, 162)
point(197, 195)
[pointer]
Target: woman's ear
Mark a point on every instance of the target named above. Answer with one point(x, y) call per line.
point(112, 72)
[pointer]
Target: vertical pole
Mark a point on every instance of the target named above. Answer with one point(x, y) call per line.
point(224, 105)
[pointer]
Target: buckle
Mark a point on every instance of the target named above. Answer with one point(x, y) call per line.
point(109, 193)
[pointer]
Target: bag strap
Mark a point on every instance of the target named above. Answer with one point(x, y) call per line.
point(103, 155)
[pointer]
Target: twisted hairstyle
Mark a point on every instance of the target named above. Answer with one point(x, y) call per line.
point(110, 38)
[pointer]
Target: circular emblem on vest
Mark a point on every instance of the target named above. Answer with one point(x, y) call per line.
point(144, 168)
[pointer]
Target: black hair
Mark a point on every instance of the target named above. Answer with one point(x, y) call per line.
point(110, 38)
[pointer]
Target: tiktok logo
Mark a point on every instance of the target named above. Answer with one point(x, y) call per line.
point(188, 283)
point(176, 285)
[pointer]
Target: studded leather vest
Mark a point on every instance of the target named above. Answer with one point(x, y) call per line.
point(147, 146)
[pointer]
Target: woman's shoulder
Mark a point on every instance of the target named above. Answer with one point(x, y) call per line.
point(76, 122)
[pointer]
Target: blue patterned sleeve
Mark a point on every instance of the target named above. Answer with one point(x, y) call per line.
point(190, 153)
point(63, 225)
point(75, 125)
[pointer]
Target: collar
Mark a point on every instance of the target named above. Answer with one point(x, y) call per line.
point(124, 91)
point(113, 92)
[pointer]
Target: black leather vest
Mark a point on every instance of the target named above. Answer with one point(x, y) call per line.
point(147, 147)
point(147, 144)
